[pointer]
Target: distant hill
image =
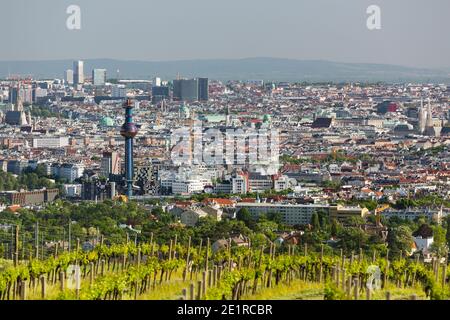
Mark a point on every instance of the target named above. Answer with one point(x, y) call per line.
point(271, 69)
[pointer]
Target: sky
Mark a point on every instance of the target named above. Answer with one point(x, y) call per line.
point(413, 32)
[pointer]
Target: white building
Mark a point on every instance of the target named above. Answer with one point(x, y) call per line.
point(187, 186)
point(239, 185)
point(71, 172)
point(72, 190)
point(281, 183)
point(291, 214)
point(423, 244)
point(99, 77)
point(68, 76)
point(51, 142)
point(411, 214)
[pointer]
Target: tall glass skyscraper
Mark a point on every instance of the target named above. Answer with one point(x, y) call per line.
point(99, 77)
point(78, 72)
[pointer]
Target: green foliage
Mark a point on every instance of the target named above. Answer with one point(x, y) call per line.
point(400, 240)
point(315, 222)
point(29, 179)
point(332, 292)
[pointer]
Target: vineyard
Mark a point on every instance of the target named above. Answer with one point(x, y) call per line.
point(150, 270)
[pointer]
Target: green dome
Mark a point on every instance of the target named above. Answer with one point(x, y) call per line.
point(107, 122)
point(267, 118)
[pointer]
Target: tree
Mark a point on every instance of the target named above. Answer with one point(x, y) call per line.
point(439, 240)
point(275, 217)
point(335, 227)
point(244, 215)
point(400, 240)
point(323, 219)
point(447, 235)
point(424, 231)
point(352, 238)
point(315, 222)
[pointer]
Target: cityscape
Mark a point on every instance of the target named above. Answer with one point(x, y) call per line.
point(193, 187)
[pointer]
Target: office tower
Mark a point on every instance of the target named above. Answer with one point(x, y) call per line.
point(99, 77)
point(203, 89)
point(24, 91)
point(118, 91)
point(185, 90)
point(156, 82)
point(78, 72)
point(110, 164)
point(159, 93)
point(129, 131)
point(68, 76)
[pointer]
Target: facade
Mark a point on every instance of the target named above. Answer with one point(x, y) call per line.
point(187, 187)
point(71, 172)
point(423, 244)
point(99, 77)
point(25, 198)
point(146, 177)
point(51, 142)
point(190, 217)
point(239, 185)
point(203, 89)
point(160, 93)
point(17, 166)
point(96, 190)
point(291, 214)
point(68, 76)
point(72, 190)
point(118, 91)
point(24, 91)
point(78, 72)
point(342, 212)
point(185, 90)
point(110, 164)
point(411, 214)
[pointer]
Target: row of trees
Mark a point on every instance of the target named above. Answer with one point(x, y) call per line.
point(108, 216)
point(27, 180)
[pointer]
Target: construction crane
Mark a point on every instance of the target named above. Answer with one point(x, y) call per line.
point(121, 198)
point(378, 211)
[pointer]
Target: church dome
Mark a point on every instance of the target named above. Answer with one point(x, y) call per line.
point(107, 122)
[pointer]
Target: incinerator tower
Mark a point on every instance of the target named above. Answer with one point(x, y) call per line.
point(129, 131)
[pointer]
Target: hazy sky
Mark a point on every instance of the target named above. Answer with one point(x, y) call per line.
point(414, 32)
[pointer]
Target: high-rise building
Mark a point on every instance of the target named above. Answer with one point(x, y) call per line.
point(24, 91)
point(99, 77)
point(185, 90)
point(110, 164)
point(78, 72)
point(118, 91)
point(203, 89)
point(159, 93)
point(156, 82)
point(68, 76)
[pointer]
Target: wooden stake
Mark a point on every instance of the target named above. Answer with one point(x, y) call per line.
point(43, 285)
point(191, 292)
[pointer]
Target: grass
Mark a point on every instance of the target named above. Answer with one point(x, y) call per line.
point(300, 290)
point(297, 290)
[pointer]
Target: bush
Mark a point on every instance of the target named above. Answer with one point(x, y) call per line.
point(332, 292)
